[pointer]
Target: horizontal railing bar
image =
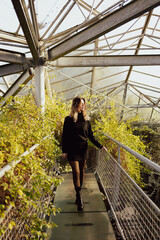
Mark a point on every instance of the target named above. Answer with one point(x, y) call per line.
point(9, 166)
point(150, 163)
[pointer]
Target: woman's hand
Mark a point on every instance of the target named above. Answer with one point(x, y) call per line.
point(64, 155)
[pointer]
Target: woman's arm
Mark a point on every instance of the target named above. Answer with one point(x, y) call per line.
point(92, 138)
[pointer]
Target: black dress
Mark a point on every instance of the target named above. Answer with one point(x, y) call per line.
point(74, 138)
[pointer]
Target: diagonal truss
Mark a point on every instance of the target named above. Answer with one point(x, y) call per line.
point(24, 19)
point(23, 79)
point(9, 69)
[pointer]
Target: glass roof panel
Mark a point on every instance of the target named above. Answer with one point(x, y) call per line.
point(54, 17)
point(8, 18)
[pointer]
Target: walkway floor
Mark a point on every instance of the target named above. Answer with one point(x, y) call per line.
point(91, 224)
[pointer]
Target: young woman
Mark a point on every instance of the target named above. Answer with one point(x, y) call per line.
point(76, 131)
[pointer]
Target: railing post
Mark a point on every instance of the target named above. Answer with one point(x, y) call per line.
point(116, 186)
point(119, 156)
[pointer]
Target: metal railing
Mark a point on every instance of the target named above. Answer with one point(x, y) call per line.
point(12, 164)
point(136, 215)
point(19, 230)
point(11, 213)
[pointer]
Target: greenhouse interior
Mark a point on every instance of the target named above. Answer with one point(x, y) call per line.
point(108, 53)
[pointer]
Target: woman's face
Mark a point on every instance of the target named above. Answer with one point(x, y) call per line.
point(81, 106)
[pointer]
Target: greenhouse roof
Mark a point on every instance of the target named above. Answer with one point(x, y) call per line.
point(109, 47)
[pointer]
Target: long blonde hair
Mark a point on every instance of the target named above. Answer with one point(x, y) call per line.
point(74, 109)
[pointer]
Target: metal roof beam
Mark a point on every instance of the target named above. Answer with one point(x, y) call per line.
point(6, 36)
point(53, 22)
point(87, 7)
point(1, 91)
point(58, 24)
point(145, 85)
point(27, 27)
point(114, 20)
point(116, 60)
point(144, 95)
point(149, 89)
point(12, 57)
point(9, 69)
point(86, 23)
point(139, 106)
point(83, 25)
point(34, 19)
point(24, 78)
point(141, 95)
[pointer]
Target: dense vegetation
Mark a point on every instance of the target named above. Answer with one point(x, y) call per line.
point(22, 125)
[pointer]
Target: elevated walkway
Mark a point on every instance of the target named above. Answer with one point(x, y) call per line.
point(91, 224)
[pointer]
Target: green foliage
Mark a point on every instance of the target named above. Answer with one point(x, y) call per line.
point(28, 184)
point(22, 125)
point(104, 118)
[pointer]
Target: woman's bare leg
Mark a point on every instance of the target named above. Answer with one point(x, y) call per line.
point(76, 173)
point(81, 167)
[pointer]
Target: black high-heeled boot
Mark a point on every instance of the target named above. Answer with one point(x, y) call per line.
point(77, 190)
point(79, 200)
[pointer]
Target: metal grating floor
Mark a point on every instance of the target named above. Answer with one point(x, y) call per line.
point(93, 223)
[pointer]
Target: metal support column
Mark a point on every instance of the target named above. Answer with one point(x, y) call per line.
point(40, 87)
